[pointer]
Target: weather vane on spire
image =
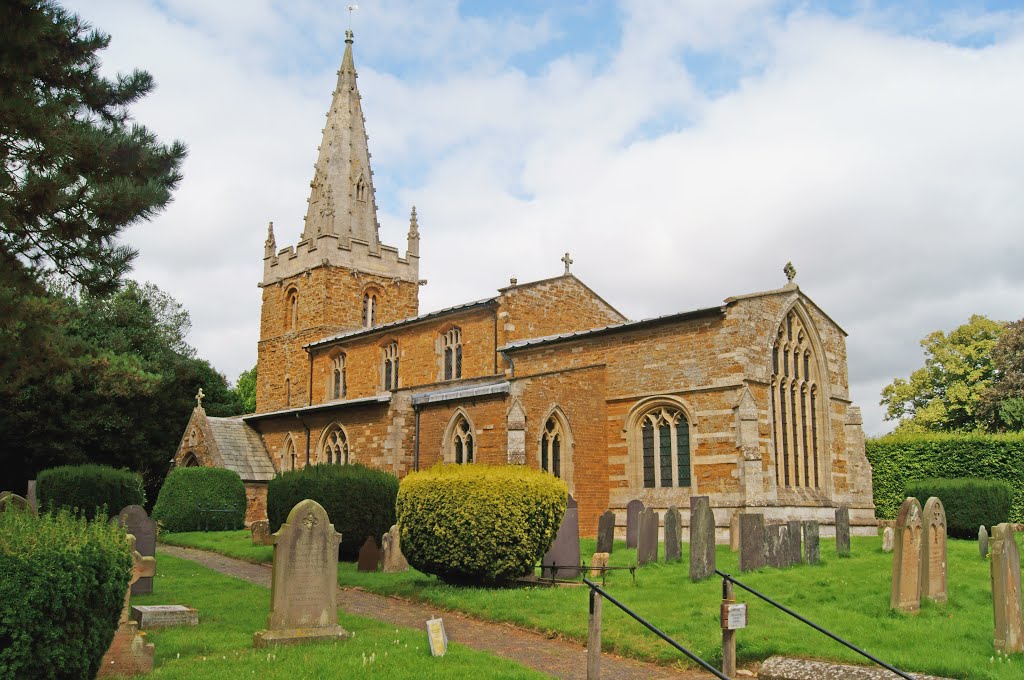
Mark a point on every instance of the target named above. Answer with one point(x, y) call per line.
point(351, 8)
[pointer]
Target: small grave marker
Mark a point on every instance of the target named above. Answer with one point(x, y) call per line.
point(983, 541)
point(906, 569)
point(734, 531)
point(1006, 591)
point(673, 534)
point(562, 560)
point(599, 560)
point(261, 532)
point(437, 637)
point(369, 556)
point(753, 552)
point(164, 616)
point(140, 525)
point(702, 538)
point(391, 543)
point(812, 542)
point(606, 532)
point(633, 510)
point(795, 551)
point(843, 531)
point(933, 551)
point(888, 539)
point(647, 548)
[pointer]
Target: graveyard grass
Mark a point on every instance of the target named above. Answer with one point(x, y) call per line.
point(849, 596)
point(230, 610)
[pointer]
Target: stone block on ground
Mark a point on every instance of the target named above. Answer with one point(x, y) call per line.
point(812, 542)
point(606, 532)
point(795, 548)
point(702, 538)
point(633, 510)
point(164, 616)
point(753, 552)
point(391, 545)
point(261, 532)
point(888, 538)
point(843, 531)
point(600, 559)
point(674, 534)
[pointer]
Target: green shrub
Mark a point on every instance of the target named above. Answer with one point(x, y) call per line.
point(62, 587)
point(359, 500)
point(478, 523)
point(897, 460)
point(89, 489)
point(968, 503)
point(191, 498)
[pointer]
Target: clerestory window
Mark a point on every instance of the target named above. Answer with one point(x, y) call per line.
point(451, 351)
point(369, 310)
point(336, 383)
point(390, 368)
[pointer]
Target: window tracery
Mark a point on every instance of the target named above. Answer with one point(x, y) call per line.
point(664, 447)
point(795, 405)
point(337, 383)
point(369, 309)
point(390, 368)
point(451, 352)
point(552, 442)
point(335, 450)
point(462, 442)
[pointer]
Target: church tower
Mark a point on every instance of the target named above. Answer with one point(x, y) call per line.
point(339, 276)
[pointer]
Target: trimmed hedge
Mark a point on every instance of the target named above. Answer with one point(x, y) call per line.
point(89, 489)
point(190, 490)
point(63, 585)
point(969, 503)
point(897, 460)
point(478, 523)
point(359, 500)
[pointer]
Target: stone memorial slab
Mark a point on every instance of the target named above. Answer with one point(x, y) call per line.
point(599, 560)
point(843, 531)
point(795, 547)
point(30, 496)
point(812, 542)
point(1006, 591)
point(753, 553)
point(734, 532)
point(129, 653)
point(304, 581)
point(905, 594)
point(391, 544)
point(606, 532)
point(983, 541)
point(261, 535)
point(12, 501)
point(888, 538)
point(674, 534)
point(647, 541)
point(437, 637)
point(777, 545)
point(934, 584)
point(369, 556)
point(164, 616)
point(562, 560)
point(633, 510)
point(140, 525)
point(702, 538)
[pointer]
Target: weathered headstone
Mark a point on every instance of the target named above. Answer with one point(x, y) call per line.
point(164, 616)
point(674, 534)
point(933, 551)
point(888, 537)
point(30, 496)
point(795, 552)
point(843, 531)
point(606, 532)
point(304, 581)
point(562, 560)
point(812, 542)
point(261, 535)
point(777, 544)
point(734, 532)
point(906, 557)
point(753, 553)
point(391, 544)
point(597, 563)
point(129, 653)
point(702, 538)
point(983, 541)
point(12, 501)
point(369, 556)
point(647, 543)
point(140, 525)
point(1006, 591)
point(633, 510)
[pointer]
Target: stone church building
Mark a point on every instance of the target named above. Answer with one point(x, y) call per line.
point(746, 402)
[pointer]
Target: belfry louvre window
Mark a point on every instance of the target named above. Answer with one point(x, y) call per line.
point(665, 446)
point(451, 349)
point(369, 310)
point(335, 447)
point(462, 442)
point(795, 405)
point(391, 366)
point(551, 443)
point(292, 313)
point(337, 381)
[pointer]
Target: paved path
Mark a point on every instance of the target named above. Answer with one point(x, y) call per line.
point(558, 658)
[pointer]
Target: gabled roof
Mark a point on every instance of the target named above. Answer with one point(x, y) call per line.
point(241, 449)
point(570, 275)
point(786, 290)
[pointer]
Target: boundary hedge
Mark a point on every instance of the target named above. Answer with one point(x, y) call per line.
point(187, 490)
point(89, 489)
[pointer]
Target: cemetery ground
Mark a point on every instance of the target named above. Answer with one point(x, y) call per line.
point(849, 596)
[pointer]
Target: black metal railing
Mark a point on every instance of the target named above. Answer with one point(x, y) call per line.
point(867, 655)
point(552, 572)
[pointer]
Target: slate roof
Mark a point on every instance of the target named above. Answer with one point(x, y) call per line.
point(462, 392)
point(241, 449)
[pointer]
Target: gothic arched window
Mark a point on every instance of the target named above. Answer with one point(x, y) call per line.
point(664, 447)
point(334, 449)
point(795, 406)
point(292, 310)
point(462, 442)
point(288, 457)
point(390, 368)
point(190, 461)
point(336, 383)
point(369, 309)
point(451, 352)
point(552, 443)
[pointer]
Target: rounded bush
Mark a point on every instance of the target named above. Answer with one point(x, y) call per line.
point(478, 523)
point(89, 489)
point(63, 585)
point(969, 502)
point(359, 500)
point(201, 499)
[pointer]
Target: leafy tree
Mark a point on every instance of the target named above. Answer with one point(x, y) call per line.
point(244, 391)
point(946, 394)
point(1002, 405)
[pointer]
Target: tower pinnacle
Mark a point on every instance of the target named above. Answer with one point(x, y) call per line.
point(414, 235)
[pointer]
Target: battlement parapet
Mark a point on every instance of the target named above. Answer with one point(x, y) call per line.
point(329, 249)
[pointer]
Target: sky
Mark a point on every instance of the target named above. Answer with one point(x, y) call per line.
point(682, 152)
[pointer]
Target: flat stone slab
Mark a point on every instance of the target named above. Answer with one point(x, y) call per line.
point(293, 636)
point(164, 616)
point(783, 668)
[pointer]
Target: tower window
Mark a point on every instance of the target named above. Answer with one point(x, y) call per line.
point(291, 321)
point(451, 350)
point(391, 366)
point(369, 310)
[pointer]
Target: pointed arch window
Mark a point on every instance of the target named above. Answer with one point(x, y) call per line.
point(289, 458)
point(361, 189)
point(390, 367)
point(664, 447)
point(287, 391)
point(795, 405)
point(462, 442)
point(336, 384)
point(552, 443)
point(369, 309)
point(291, 310)
point(451, 351)
point(335, 450)
point(190, 461)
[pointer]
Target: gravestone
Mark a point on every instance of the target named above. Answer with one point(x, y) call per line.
point(30, 496)
point(906, 558)
point(261, 532)
point(647, 542)
point(143, 527)
point(633, 510)
point(304, 581)
point(599, 560)
point(164, 616)
point(391, 544)
point(369, 555)
point(795, 552)
point(702, 538)
point(734, 532)
point(562, 560)
point(1006, 593)
point(983, 541)
point(606, 532)
point(753, 554)
point(843, 531)
point(888, 536)
point(812, 542)
point(777, 545)
point(12, 501)
point(674, 534)
point(129, 653)
point(933, 551)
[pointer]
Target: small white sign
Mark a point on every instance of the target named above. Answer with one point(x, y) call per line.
point(735, 616)
point(437, 637)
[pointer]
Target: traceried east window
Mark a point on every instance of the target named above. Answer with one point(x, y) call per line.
point(795, 406)
point(552, 441)
point(665, 448)
point(462, 442)
point(369, 310)
point(335, 447)
point(336, 384)
point(390, 368)
point(451, 350)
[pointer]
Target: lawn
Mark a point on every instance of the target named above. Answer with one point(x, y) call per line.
point(230, 610)
point(849, 596)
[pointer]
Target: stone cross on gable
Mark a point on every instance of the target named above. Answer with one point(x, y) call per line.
point(199, 397)
point(141, 567)
point(567, 261)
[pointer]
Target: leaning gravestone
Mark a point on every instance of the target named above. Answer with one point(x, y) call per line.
point(1006, 595)
point(734, 532)
point(906, 569)
point(702, 538)
point(795, 552)
point(261, 535)
point(933, 551)
point(812, 542)
point(606, 532)
point(633, 510)
point(129, 653)
point(304, 581)
point(369, 555)
point(777, 545)
point(983, 541)
point(674, 534)
point(888, 537)
point(843, 531)
point(753, 554)
point(562, 560)
point(140, 525)
point(647, 543)
point(391, 544)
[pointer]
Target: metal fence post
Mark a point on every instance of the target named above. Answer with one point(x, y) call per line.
point(594, 637)
point(728, 636)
